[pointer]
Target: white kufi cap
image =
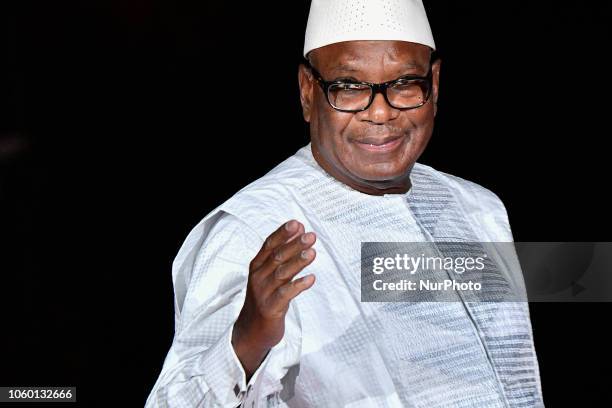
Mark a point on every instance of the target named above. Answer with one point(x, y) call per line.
point(332, 21)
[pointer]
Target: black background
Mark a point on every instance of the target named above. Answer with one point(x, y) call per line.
point(117, 135)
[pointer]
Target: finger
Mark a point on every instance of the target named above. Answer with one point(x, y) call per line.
point(278, 237)
point(285, 252)
point(298, 234)
point(286, 271)
point(285, 293)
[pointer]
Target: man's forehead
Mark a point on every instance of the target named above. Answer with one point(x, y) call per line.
point(356, 65)
point(356, 55)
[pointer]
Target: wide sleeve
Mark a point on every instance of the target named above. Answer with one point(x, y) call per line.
point(201, 368)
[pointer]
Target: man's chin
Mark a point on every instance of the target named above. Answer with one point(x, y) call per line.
point(381, 175)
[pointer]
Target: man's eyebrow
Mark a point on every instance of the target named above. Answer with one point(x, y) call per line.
point(347, 67)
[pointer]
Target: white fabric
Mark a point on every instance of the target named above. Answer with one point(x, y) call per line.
point(338, 351)
point(332, 21)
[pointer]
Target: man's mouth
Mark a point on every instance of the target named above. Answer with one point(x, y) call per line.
point(380, 144)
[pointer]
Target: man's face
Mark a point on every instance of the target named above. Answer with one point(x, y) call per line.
point(341, 141)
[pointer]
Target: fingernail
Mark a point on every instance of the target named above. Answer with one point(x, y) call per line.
point(290, 226)
point(304, 254)
point(305, 238)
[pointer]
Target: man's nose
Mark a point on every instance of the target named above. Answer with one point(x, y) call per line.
point(380, 111)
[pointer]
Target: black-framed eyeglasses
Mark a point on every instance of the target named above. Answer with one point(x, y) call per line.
point(405, 92)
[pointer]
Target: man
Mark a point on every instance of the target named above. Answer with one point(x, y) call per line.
point(267, 286)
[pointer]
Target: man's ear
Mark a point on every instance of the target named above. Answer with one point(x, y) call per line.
point(435, 69)
point(305, 80)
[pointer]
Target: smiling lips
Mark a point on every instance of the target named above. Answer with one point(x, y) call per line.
point(380, 145)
